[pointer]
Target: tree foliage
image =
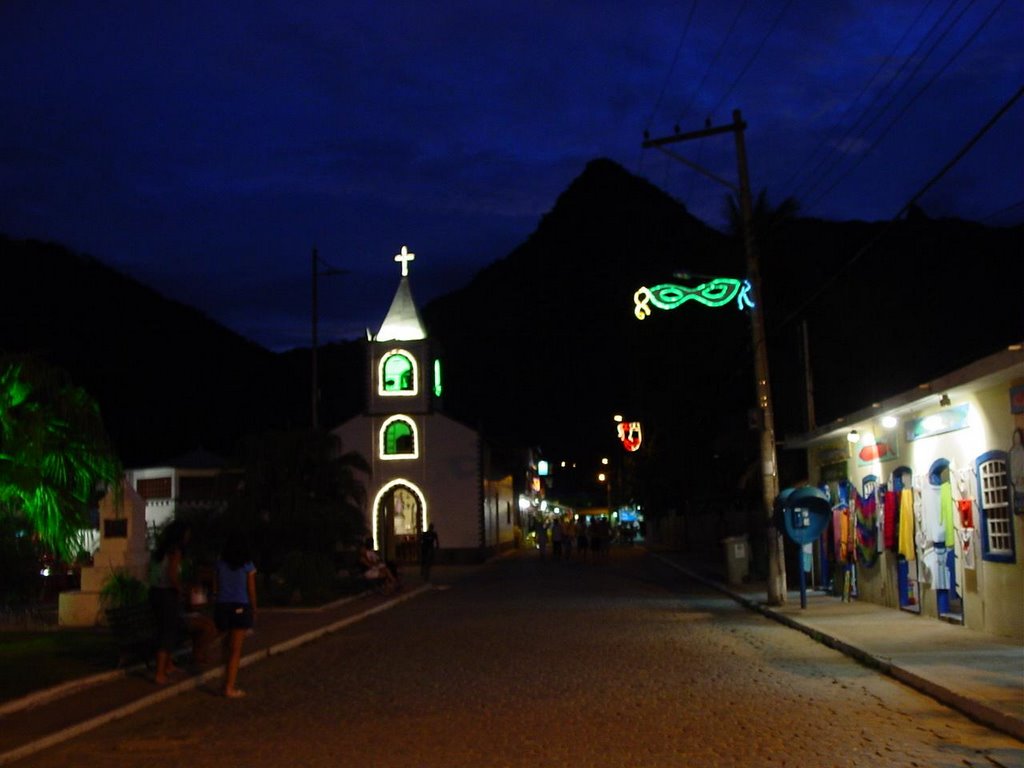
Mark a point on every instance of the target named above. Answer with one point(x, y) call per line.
point(55, 455)
point(301, 492)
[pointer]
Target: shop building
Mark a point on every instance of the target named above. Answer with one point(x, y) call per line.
point(927, 495)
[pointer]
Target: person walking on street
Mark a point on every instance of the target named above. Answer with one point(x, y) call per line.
point(542, 539)
point(165, 596)
point(235, 610)
point(581, 539)
point(429, 544)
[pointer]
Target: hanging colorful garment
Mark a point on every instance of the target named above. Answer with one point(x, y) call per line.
point(906, 537)
point(946, 513)
point(940, 578)
point(964, 507)
point(864, 511)
point(891, 517)
point(967, 547)
point(843, 525)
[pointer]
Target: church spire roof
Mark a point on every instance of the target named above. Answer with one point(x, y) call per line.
point(403, 321)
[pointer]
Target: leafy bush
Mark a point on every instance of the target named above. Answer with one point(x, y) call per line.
point(123, 590)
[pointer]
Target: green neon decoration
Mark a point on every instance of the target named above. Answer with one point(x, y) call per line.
point(714, 293)
point(437, 377)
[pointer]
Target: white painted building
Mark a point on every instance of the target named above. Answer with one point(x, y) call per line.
point(425, 466)
point(198, 479)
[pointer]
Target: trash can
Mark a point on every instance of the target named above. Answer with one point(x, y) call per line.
point(737, 558)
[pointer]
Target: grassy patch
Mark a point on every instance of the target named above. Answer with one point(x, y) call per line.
point(31, 661)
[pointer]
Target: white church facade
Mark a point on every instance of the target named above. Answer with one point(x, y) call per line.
point(426, 468)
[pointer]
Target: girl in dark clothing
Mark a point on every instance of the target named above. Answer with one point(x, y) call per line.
point(165, 595)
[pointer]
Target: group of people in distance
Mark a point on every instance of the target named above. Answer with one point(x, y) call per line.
point(589, 539)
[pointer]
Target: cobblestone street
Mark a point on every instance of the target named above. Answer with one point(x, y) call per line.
point(529, 663)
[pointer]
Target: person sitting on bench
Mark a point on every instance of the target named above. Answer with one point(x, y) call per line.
point(375, 568)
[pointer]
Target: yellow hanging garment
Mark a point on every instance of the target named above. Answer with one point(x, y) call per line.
point(906, 543)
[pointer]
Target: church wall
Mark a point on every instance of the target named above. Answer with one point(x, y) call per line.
point(447, 473)
point(452, 463)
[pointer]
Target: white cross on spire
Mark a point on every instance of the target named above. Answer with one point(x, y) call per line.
point(405, 257)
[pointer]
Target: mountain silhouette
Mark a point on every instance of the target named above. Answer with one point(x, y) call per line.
point(542, 347)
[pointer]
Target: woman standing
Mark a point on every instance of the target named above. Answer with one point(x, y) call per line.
point(235, 610)
point(165, 595)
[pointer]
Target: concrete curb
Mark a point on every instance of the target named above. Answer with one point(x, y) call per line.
point(186, 685)
point(975, 710)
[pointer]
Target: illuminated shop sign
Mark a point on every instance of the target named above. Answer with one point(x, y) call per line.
point(714, 293)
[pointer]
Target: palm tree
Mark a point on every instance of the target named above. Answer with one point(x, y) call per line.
point(55, 454)
point(301, 493)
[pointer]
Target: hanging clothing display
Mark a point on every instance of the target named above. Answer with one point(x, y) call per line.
point(966, 509)
point(940, 577)
point(946, 514)
point(906, 534)
point(841, 537)
point(967, 547)
point(864, 511)
point(931, 514)
point(891, 520)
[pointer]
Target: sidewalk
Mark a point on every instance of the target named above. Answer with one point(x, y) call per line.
point(978, 675)
point(48, 717)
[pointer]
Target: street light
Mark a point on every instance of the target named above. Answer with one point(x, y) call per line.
point(328, 271)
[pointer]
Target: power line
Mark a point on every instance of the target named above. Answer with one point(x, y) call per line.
point(1001, 211)
point(672, 67)
point(714, 60)
point(935, 76)
point(809, 187)
point(753, 56)
point(906, 206)
point(836, 126)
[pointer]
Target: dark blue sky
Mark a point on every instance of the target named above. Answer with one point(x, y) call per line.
point(204, 147)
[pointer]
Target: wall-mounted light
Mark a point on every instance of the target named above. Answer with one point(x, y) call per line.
point(944, 400)
point(889, 422)
point(853, 436)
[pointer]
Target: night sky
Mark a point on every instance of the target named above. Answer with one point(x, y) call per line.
point(205, 147)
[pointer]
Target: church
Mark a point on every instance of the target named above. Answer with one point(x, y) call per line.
point(426, 468)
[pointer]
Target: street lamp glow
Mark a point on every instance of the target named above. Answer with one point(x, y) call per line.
point(601, 477)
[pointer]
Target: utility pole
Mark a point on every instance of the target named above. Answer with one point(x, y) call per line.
point(315, 377)
point(762, 384)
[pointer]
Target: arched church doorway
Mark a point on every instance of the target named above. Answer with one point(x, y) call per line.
point(399, 515)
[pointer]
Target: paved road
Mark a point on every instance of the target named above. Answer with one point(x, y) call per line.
point(552, 664)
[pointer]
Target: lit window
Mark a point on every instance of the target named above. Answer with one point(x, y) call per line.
point(397, 374)
point(398, 439)
point(994, 498)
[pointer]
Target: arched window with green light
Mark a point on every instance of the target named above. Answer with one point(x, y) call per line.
point(397, 373)
point(398, 439)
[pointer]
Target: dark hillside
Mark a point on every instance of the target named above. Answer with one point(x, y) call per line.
point(927, 298)
point(167, 378)
point(543, 346)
